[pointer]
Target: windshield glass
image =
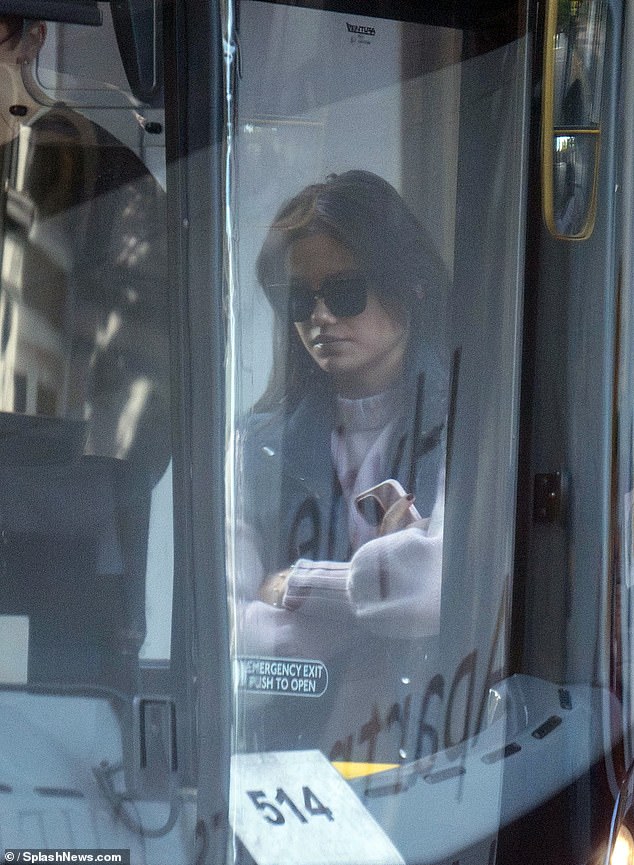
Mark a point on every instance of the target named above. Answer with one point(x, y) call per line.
point(375, 298)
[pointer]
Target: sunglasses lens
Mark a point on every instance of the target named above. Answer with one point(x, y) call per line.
point(294, 300)
point(345, 296)
point(301, 301)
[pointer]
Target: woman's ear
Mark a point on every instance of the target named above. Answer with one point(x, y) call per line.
point(32, 41)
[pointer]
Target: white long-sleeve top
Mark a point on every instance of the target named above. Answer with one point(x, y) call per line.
point(391, 587)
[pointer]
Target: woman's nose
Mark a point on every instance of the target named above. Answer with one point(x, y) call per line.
point(321, 314)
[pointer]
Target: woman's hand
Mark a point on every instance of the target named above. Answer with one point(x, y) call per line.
point(273, 589)
point(398, 516)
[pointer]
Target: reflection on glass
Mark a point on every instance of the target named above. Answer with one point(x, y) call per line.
point(574, 167)
point(82, 303)
point(84, 401)
point(579, 53)
point(86, 552)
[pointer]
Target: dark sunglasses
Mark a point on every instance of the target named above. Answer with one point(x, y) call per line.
point(345, 295)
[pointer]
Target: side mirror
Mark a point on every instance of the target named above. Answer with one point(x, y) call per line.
point(571, 114)
point(67, 11)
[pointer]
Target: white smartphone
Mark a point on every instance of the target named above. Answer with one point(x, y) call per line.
point(373, 503)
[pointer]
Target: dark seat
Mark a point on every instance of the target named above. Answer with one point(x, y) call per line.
point(73, 548)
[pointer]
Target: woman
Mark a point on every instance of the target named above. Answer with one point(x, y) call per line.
point(357, 397)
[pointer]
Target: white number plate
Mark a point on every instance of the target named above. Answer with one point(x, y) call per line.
point(295, 804)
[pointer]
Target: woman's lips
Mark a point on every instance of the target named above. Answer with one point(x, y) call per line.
point(324, 339)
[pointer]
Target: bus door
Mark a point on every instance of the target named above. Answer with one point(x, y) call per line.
point(452, 663)
point(391, 148)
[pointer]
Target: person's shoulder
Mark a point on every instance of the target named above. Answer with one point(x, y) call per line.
point(431, 359)
point(433, 367)
point(261, 429)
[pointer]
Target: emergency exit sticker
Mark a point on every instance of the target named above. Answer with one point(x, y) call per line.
point(296, 801)
point(293, 677)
